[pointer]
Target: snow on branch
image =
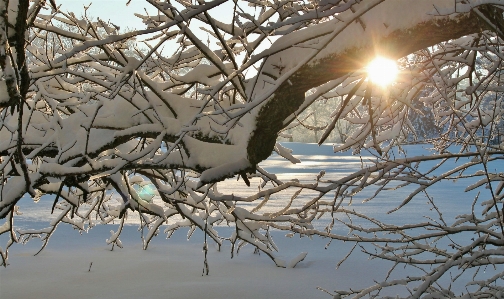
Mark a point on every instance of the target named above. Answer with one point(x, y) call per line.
point(151, 122)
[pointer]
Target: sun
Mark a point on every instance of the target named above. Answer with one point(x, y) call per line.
point(382, 71)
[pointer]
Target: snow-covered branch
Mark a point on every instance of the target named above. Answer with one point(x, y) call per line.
point(150, 122)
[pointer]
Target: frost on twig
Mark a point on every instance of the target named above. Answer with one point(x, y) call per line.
point(148, 123)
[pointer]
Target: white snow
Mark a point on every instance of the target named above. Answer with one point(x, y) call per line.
point(168, 269)
point(172, 268)
point(4, 95)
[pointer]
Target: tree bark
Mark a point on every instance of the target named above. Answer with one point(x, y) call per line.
point(291, 94)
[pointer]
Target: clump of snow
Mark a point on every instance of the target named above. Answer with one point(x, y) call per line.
point(227, 169)
point(4, 95)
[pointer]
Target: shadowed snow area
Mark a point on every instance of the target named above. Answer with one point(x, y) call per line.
point(168, 269)
point(172, 268)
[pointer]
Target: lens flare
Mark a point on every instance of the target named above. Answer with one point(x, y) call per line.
point(382, 71)
point(145, 192)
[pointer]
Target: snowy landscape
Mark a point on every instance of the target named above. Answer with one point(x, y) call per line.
point(161, 148)
point(172, 268)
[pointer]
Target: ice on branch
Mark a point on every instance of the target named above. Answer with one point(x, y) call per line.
point(155, 124)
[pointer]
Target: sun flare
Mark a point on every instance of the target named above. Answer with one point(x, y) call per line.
point(382, 71)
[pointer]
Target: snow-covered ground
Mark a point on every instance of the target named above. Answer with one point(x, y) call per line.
point(173, 268)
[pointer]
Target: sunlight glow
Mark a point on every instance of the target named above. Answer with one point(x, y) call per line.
point(382, 71)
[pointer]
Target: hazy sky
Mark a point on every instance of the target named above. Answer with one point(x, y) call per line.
point(121, 15)
point(114, 10)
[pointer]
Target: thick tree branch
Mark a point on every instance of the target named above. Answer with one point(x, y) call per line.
point(291, 94)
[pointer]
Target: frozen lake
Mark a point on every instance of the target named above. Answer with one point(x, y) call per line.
point(313, 160)
point(172, 268)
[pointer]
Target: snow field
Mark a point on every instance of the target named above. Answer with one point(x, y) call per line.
point(173, 268)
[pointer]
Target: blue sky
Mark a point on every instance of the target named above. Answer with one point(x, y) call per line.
point(114, 10)
point(118, 13)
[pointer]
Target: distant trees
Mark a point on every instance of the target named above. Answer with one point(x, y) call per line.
point(85, 120)
point(310, 124)
point(423, 120)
